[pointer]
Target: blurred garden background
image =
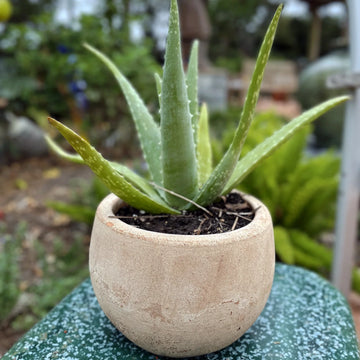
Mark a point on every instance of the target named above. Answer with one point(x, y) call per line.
point(47, 205)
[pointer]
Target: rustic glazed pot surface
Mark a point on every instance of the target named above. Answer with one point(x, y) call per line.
point(181, 295)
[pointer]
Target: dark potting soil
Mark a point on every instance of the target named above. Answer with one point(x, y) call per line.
point(231, 212)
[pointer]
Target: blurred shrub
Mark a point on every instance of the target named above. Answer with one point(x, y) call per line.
point(59, 278)
point(238, 28)
point(288, 181)
point(61, 271)
point(60, 268)
point(232, 21)
point(293, 30)
point(47, 68)
point(83, 205)
point(9, 268)
point(300, 191)
point(232, 64)
point(221, 123)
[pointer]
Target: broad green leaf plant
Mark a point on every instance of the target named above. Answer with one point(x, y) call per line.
point(178, 151)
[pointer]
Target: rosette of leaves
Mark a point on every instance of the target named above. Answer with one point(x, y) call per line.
point(178, 151)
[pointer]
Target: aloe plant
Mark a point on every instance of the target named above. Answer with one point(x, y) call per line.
point(178, 151)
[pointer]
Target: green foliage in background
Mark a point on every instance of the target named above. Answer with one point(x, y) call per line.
point(230, 23)
point(83, 204)
point(288, 181)
point(60, 276)
point(45, 66)
point(293, 31)
point(60, 270)
point(299, 190)
point(9, 268)
point(238, 28)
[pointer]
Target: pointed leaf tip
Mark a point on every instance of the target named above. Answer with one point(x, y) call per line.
point(112, 178)
point(224, 169)
point(147, 130)
point(179, 167)
point(268, 146)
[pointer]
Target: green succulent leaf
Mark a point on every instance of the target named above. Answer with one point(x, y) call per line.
point(158, 82)
point(283, 245)
point(75, 158)
point(311, 247)
point(267, 147)
point(203, 149)
point(308, 260)
point(129, 175)
point(147, 129)
point(192, 86)
point(177, 141)
point(115, 182)
point(75, 212)
point(309, 195)
point(355, 279)
point(220, 176)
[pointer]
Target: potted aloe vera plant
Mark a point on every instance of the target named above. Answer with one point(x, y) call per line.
point(183, 294)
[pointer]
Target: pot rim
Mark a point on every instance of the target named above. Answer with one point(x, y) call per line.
point(259, 224)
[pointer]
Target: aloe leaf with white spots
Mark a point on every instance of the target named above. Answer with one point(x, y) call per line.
point(267, 147)
point(115, 182)
point(220, 176)
point(158, 82)
point(75, 158)
point(177, 141)
point(192, 86)
point(129, 175)
point(147, 129)
point(203, 148)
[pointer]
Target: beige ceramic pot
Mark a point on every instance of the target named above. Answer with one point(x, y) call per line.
point(180, 295)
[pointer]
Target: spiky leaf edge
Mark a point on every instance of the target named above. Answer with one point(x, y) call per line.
point(267, 147)
point(192, 87)
point(203, 148)
point(223, 171)
point(147, 129)
point(178, 155)
point(123, 170)
point(115, 182)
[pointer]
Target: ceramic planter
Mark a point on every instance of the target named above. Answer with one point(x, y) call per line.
point(180, 295)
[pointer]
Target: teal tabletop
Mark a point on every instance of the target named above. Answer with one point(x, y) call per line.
point(304, 318)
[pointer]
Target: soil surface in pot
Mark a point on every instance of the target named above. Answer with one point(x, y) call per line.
point(230, 213)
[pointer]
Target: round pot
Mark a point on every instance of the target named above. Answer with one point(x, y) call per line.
point(181, 295)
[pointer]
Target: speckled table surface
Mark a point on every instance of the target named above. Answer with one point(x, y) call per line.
point(305, 318)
